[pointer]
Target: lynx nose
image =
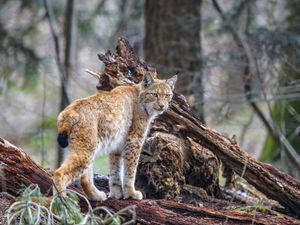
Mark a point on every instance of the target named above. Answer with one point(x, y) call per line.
point(160, 106)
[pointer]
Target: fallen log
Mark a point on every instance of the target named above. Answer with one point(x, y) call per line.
point(158, 212)
point(18, 170)
point(194, 150)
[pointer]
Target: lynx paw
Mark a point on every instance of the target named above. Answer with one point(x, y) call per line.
point(134, 194)
point(98, 196)
point(115, 192)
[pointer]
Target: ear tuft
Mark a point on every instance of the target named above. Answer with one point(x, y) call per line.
point(172, 81)
point(148, 80)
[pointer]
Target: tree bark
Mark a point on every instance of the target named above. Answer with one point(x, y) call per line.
point(70, 34)
point(124, 67)
point(18, 170)
point(173, 44)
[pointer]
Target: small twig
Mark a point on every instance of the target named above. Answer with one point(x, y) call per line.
point(43, 122)
point(245, 128)
point(94, 74)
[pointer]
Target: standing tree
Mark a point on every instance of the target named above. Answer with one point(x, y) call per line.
point(70, 41)
point(65, 67)
point(173, 44)
point(286, 113)
point(280, 131)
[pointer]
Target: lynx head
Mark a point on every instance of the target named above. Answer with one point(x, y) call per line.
point(156, 94)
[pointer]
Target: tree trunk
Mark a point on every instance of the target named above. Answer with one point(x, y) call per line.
point(173, 44)
point(19, 171)
point(70, 34)
point(285, 113)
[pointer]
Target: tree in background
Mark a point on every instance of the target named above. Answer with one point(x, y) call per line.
point(256, 54)
point(17, 53)
point(19, 71)
point(173, 44)
point(286, 112)
point(65, 67)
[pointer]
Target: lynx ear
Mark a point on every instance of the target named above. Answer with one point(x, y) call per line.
point(172, 81)
point(148, 80)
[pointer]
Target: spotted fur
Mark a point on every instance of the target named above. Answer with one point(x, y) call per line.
point(114, 122)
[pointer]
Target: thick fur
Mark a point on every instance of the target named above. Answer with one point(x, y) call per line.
point(114, 122)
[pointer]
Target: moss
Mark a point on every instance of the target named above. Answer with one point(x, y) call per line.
point(258, 208)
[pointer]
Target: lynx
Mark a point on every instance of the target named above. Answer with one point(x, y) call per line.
point(116, 122)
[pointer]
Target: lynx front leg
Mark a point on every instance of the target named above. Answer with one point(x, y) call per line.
point(131, 155)
point(87, 184)
point(115, 183)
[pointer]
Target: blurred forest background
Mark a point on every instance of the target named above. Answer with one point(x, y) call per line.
point(238, 63)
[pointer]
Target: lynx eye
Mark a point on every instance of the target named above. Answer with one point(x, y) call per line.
point(154, 95)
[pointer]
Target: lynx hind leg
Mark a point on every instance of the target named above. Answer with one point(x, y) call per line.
point(89, 188)
point(131, 155)
point(70, 169)
point(82, 153)
point(115, 183)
